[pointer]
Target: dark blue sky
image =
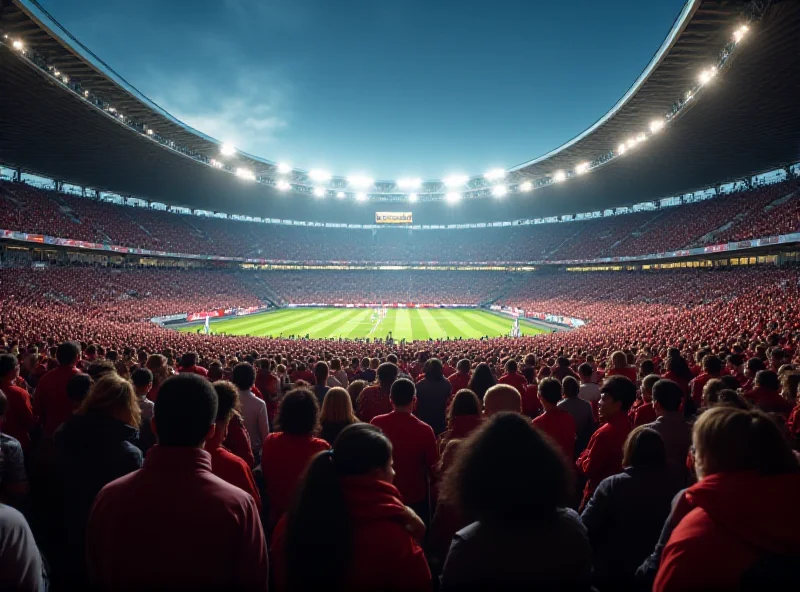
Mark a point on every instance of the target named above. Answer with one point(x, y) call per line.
point(383, 87)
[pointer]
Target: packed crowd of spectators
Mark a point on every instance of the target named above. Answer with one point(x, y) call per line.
point(644, 451)
point(46, 212)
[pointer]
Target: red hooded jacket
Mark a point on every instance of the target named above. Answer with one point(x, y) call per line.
point(735, 519)
point(385, 555)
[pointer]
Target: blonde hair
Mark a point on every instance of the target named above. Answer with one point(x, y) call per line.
point(337, 406)
point(502, 397)
point(157, 364)
point(113, 395)
point(619, 359)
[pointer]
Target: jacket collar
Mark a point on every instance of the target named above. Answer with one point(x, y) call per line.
point(177, 459)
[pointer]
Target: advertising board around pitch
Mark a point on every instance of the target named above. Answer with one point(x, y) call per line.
point(393, 218)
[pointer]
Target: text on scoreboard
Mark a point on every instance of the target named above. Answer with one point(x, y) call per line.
point(392, 217)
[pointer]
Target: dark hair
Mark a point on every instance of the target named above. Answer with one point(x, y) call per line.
point(730, 398)
point(402, 392)
point(215, 371)
point(298, 413)
point(463, 365)
point(141, 377)
point(668, 394)
point(621, 389)
point(482, 380)
point(100, 368)
point(562, 361)
point(755, 364)
point(647, 367)
point(7, 364)
point(433, 369)
point(319, 517)
point(490, 480)
point(730, 381)
point(712, 364)
point(78, 387)
point(68, 353)
point(465, 402)
point(188, 360)
point(550, 390)
point(511, 366)
point(585, 370)
point(644, 448)
point(321, 372)
point(768, 379)
point(185, 410)
point(678, 366)
point(244, 376)
point(228, 399)
point(571, 387)
point(387, 374)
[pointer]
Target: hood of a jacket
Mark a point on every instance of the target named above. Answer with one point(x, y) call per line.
point(762, 510)
point(369, 499)
point(93, 430)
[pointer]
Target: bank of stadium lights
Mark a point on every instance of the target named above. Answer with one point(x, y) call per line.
point(494, 174)
point(340, 194)
point(247, 174)
point(656, 125)
point(499, 190)
point(319, 175)
point(526, 186)
point(582, 168)
point(319, 191)
point(150, 132)
point(409, 183)
point(360, 181)
point(412, 197)
point(283, 185)
point(214, 163)
point(452, 197)
point(456, 180)
point(739, 33)
point(707, 74)
point(361, 196)
point(283, 168)
point(559, 176)
point(622, 148)
point(227, 150)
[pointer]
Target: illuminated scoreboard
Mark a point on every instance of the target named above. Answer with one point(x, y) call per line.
point(392, 217)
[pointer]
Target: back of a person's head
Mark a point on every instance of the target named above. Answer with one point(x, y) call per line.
point(755, 364)
point(227, 400)
point(321, 372)
point(511, 366)
point(188, 360)
point(433, 369)
point(68, 353)
point(731, 398)
point(402, 392)
point(621, 389)
point(668, 394)
point(571, 387)
point(482, 379)
point(244, 376)
point(502, 397)
point(319, 516)
point(550, 390)
point(215, 371)
point(649, 381)
point(768, 379)
point(619, 359)
point(100, 368)
point(465, 402)
point(711, 390)
point(491, 480)
point(298, 413)
point(562, 361)
point(644, 449)
point(8, 362)
point(387, 374)
point(337, 406)
point(585, 371)
point(141, 377)
point(78, 388)
point(355, 388)
point(463, 366)
point(185, 410)
point(712, 364)
point(112, 396)
point(727, 439)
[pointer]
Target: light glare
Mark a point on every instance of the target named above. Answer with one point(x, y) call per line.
point(340, 194)
point(739, 33)
point(319, 191)
point(707, 75)
point(499, 190)
point(18, 45)
point(283, 185)
point(360, 181)
point(284, 169)
point(409, 183)
point(453, 196)
point(582, 168)
point(361, 196)
point(656, 125)
point(456, 180)
point(495, 174)
point(320, 175)
point(559, 176)
point(622, 148)
point(227, 150)
point(245, 174)
point(412, 197)
point(526, 186)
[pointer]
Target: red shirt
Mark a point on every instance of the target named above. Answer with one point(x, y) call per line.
point(19, 414)
point(199, 531)
point(643, 415)
point(560, 426)
point(517, 380)
point(459, 381)
point(284, 458)
point(373, 402)
point(603, 455)
point(769, 400)
point(384, 554)
point(304, 375)
point(229, 467)
point(628, 372)
point(414, 451)
point(238, 441)
point(194, 370)
point(50, 401)
point(697, 385)
point(531, 405)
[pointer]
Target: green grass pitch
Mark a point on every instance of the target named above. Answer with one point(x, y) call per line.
point(404, 323)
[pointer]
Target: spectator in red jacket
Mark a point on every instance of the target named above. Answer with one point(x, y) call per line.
point(767, 396)
point(188, 363)
point(376, 399)
point(645, 413)
point(513, 378)
point(19, 417)
point(460, 379)
point(225, 464)
point(286, 453)
point(603, 456)
point(740, 525)
point(619, 367)
point(414, 448)
point(555, 422)
point(712, 368)
point(50, 402)
point(350, 522)
point(189, 505)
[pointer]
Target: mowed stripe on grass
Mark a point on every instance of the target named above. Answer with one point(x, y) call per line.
point(404, 323)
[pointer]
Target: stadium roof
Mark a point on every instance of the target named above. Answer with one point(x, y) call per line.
point(743, 122)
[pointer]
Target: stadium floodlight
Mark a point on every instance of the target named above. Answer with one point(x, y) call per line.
point(361, 196)
point(707, 75)
point(360, 181)
point(409, 183)
point(86, 93)
point(456, 180)
point(631, 143)
point(526, 186)
point(412, 197)
point(656, 125)
point(18, 45)
point(622, 148)
point(227, 150)
point(341, 195)
point(65, 79)
point(245, 174)
point(57, 73)
point(319, 175)
point(739, 33)
point(582, 168)
point(559, 176)
point(319, 191)
point(495, 174)
point(641, 137)
point(284, 169)
point(283, 185)
point(150, 132)
point(499, 190)
point(452, 197)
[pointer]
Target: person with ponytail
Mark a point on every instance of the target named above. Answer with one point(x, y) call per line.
point(347, 528)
